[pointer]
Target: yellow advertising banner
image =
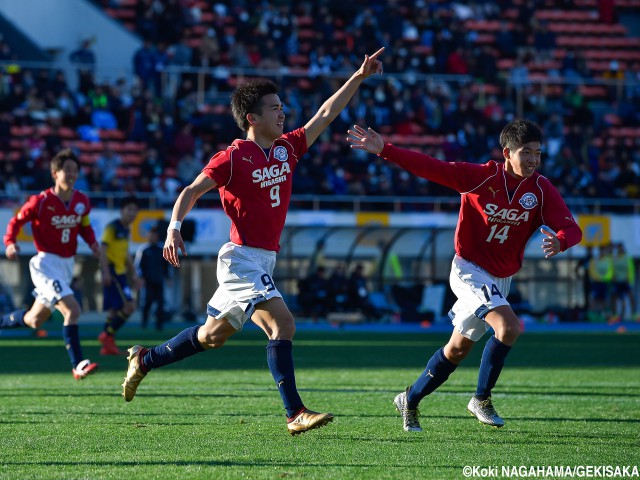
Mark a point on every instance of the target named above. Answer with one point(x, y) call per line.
point(143, 223)
point(372, 218)
point(596, 230)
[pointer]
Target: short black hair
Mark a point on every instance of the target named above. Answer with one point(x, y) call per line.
point(57, 162)
point(131, 200)
point(518, 132)
point(247, 98)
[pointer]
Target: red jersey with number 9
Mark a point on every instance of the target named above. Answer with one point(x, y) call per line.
point(55, 224)
point(255, 187)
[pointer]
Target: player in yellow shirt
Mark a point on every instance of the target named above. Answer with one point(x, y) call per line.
point(116, 264)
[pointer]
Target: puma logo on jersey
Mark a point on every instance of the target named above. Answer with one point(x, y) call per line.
point(430, 374)
point(493, 191)
point(53, 209)
point(250, 160)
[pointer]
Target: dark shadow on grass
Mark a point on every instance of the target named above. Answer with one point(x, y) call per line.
point(576, 419)
point(32, 393)
point(321, 350)
point(212, 463)
point(258, 391)
point(562, 393)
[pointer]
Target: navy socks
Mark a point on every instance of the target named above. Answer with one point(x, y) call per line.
point(280, 361)
point(113, 323)
point(183, 345)
point(13, 319)
point(493, 357)
point(186, 344)
point(72, 343)
point(435, 374)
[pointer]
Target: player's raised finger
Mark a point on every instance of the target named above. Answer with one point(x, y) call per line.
point(375, 55)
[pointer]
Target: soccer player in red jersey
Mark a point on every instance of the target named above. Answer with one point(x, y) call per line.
point(254, 178)
point(57, 215)
point(502, 206)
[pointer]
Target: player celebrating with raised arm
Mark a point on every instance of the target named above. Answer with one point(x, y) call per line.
point(57, 215)
point(254, 178)
point(502, 206)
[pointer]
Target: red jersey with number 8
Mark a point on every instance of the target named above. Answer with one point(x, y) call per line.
point(255, 187)
point(55, 224)
point(499, 213)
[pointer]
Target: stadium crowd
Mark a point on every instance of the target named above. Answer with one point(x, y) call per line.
point(455, 115)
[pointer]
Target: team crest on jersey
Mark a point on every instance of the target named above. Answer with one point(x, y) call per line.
point(79, 208)
point(528, 201)
point(280, 153)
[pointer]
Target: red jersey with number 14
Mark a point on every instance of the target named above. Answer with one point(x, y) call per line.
point(498, 213)
point(255, 187)
point(55, 224)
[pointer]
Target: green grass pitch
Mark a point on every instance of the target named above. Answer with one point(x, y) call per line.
point(567, 399)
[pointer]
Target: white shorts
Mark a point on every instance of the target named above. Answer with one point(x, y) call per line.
point(478, 293)
point(51, 276)
point(245, 279)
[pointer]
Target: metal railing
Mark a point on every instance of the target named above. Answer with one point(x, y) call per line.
point(344, 203)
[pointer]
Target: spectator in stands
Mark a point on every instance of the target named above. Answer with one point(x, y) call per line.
point(339, 289)
point(108, 163)
point(184, 143)
point(144, 64)
point(505, 41)
point(457, 63)
point(519, 73)
point(165, 188)
point(5, 51)
point(544, 41)
point(153, 166)
point(313, 294)
point(145, 20)
point(485, 66)
point(574, 65)
point(180, 53)
point(153, 271)
point(85, 61)
point(554, 133)
point(615, 74)
point(188, 169)
point(42, 173)
point(359, 294)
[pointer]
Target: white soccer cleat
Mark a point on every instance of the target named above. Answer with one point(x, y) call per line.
point(483, 410)
point(410, 421)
